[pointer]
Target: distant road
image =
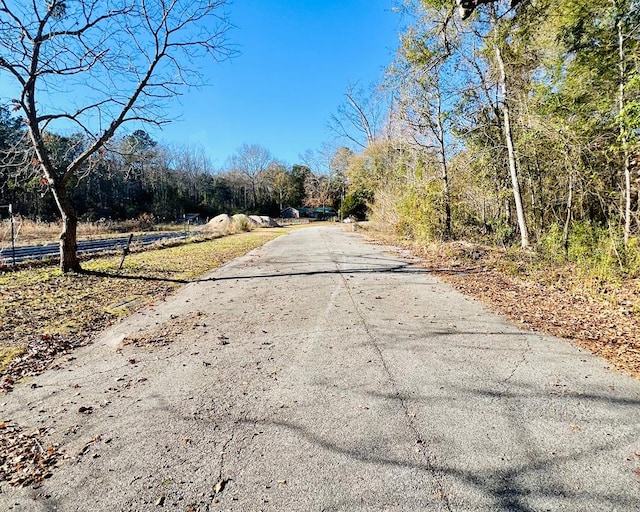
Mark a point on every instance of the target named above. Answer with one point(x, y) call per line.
point(41, 252)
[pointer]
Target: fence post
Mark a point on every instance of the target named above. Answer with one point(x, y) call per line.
point(13, 236)
point(125, 251)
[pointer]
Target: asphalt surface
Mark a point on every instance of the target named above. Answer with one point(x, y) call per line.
point(325, 373)
point(22, 253)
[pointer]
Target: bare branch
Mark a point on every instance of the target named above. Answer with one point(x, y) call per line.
point(96, 67)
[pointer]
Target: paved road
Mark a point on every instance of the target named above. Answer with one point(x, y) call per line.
point(22, 253)
point(323, 373)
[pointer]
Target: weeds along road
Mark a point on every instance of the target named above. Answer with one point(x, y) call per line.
point(324, 373)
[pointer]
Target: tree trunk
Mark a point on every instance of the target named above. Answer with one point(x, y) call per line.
point(567, 222)
point(513, 168)
point(623, 136)
point(69, 261)
point(447, 200)
point(444, 171)
point(627, 199)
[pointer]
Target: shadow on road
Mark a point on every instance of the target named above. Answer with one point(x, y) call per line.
point(519, 487)
point(402, 268)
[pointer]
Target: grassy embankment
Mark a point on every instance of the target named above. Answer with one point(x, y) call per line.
point(44, 311)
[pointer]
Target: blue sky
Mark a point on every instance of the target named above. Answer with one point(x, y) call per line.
point(295, 63)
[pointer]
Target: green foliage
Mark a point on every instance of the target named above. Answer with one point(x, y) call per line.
point(551, 244)
point(299, 175)
point(420, 212)
point(500, 232)
point(372, 168)
point(597, 250)
point(572, 91)
point(628, 119)
point(356, 205)
point(632, 257)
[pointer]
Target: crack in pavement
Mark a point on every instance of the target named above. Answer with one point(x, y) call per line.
point(422, 446)
point(523, 359)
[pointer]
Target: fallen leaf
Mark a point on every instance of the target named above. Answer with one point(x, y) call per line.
point(219, 487)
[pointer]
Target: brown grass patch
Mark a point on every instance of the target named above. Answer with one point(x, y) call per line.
point(29, 232)
point(45, 312)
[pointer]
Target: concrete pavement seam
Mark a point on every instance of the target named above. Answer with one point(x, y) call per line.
point(412, 426)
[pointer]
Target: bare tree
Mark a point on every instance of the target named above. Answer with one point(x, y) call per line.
point(93, 65)
point(359, 118)
point(277, 183)
point(251, 161)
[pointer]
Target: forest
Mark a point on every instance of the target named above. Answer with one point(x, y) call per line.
point(518, 126)
point(139, 176)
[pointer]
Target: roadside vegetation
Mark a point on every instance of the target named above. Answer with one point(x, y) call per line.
point(46, 313)
point(510, 160)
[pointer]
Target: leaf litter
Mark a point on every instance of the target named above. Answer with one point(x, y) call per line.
point(554, 300)
point(25, 460)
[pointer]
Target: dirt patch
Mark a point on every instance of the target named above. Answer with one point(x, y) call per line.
point(168, 331)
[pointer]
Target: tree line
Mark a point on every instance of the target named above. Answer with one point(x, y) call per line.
point(518, 125)
point(139, 176)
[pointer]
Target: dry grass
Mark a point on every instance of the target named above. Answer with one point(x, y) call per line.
point(43, 309)
point(28, 232)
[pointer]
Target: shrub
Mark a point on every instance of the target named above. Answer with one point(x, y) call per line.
point(421, 212)
point(356, 205)
point(241, 223)
point(597, 250)
point(551, 245)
